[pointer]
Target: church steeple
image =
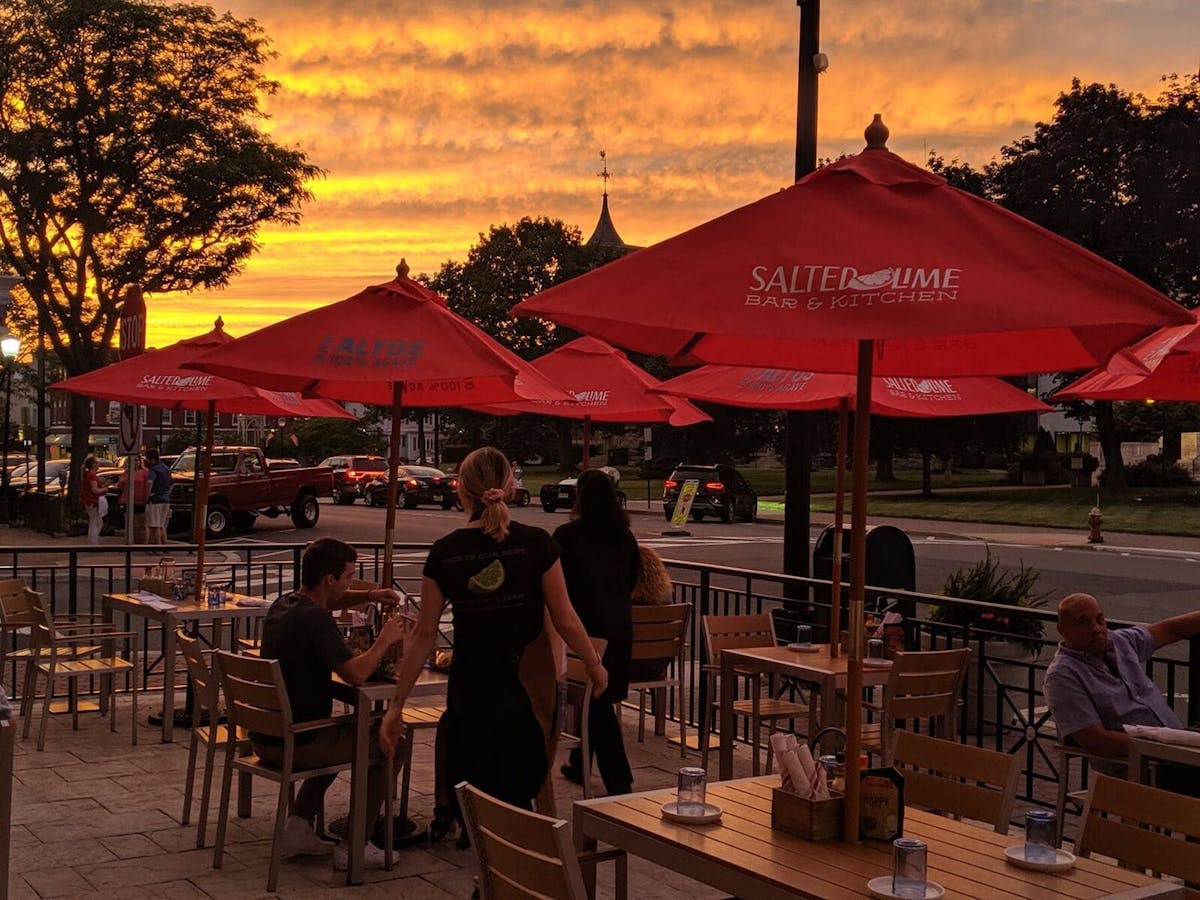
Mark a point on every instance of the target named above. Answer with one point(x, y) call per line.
point(605, 234)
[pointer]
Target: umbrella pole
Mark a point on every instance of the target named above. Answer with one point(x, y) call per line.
point(839, 519)
point(858, 577)
point(201, 502)
point(389, 527)
point(131, 464)
point(587, 443)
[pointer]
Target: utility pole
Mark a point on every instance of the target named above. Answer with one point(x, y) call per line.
point(797, 519)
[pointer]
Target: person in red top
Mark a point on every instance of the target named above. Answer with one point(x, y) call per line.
point(139, 499)
point(93, 494)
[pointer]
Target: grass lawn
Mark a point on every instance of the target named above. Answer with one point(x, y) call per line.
point(1148, 511)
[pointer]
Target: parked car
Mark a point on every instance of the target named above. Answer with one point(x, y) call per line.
point(278, 465)
point(351, 474)
point(57, 471)
point(562, 495)
point(722, 492)
point(417, 485)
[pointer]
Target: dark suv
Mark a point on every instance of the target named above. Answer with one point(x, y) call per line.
point(418, 484)
point(351, 474)
point(721, 492)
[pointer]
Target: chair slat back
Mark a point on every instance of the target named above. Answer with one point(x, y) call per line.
point(521, 854)
point(955, 778)
point(737, 632)
point(255, 694)
point(926, 684)
point(659, 632)
point(1131, 840)
point(17, 603)
point(205, 686)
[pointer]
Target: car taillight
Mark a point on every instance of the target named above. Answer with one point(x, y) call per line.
point(351, 474)
point(412, 482)
point(714, 486)
point(436, 480)
point(669, 483)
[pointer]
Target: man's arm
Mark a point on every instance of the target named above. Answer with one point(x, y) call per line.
point(1100, 741)
point(358, 669)
point(1176, 628)
point(359, 596)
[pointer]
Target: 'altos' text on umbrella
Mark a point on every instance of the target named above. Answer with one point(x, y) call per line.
point(844, 287)
point(375, 353)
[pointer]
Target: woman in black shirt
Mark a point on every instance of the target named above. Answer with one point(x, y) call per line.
point(600, 562)
point(500, 578)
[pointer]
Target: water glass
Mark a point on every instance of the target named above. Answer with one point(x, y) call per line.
point(908, 867)
point(1041, 836)
point(689, 801)
point(804, 635)
point(875, 648)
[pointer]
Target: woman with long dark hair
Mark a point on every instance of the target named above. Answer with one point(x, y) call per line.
point(600, 562)
point(500, 578)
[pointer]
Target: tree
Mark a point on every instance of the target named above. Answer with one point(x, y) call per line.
point(322, 438)
point(130, 154)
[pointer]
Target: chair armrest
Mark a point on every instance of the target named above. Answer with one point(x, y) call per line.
point(318, 724)
point(93, 636)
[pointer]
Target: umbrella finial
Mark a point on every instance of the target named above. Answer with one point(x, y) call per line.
point(219, 325)
point(402, 269)
point(876, 134)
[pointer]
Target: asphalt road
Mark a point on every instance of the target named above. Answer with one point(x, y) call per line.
point(1138, 584)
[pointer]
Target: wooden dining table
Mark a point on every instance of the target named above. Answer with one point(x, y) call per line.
point(817, 667)
point(742, 855)
point(1143, 750)
point(169, 614)
point(368, 700)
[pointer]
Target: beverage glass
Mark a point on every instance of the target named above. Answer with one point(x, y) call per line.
point(689, 800)
point(908, 867)
point(874, 649)
point(1041, 836)
point(804, 635)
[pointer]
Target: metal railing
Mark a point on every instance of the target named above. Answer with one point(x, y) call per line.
point(1004, 706)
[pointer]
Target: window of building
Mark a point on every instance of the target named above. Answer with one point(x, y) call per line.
point(189, 417)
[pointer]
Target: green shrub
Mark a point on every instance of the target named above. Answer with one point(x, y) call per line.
point(984, 581)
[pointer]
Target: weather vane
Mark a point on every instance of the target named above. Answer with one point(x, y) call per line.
point(604, 173)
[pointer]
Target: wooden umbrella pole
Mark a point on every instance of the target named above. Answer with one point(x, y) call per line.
point(587, 443)
point(839, 516)
point(201, 503)
point(389, 528)
point(858, 580)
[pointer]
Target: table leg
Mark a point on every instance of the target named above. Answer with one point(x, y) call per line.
point(357, 824)
point(168, 711)
point(728, 688)
point(107, 648)
point(1136, 765)
point(583, 845)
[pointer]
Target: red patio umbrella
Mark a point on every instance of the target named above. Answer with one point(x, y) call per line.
point(1172, 358)
point(392, 344)
point(606, 386)
point(157, 378)
point(868, 266)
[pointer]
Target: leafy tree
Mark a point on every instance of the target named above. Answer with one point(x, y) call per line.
point(130, 154)
point(321, 438)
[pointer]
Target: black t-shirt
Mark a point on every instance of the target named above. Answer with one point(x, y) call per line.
point(494, 589)
point(309, 647)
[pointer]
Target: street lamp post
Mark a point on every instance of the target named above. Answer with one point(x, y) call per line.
point(10, 346)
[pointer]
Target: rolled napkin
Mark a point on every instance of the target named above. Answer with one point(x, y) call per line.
point(816, 774)
point(892, 618)
point(252, 601)
point(793, 775)
point(1165, 735)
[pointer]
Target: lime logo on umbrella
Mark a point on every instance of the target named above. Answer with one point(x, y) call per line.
point(487, 580)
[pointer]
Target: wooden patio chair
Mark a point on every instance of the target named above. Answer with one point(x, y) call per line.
point(660, 633)
point(732, 633)
point(1067, 754)
point(921, 687)
point(957, 779)
point(206, 729)
point(17, 615)
point(524, 854)
point(1134, 824)
point(71, 652)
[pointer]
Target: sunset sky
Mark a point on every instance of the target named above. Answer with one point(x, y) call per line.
point(437, 119)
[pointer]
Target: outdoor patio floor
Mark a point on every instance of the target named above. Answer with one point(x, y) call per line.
point(94, 816)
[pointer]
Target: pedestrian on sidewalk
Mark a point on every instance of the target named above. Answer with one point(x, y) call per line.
point(158, 498)
point(95, 499)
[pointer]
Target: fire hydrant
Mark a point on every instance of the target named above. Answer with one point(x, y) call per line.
point(1095, 520)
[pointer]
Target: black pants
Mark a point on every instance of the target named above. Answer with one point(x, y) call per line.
point(608, 748)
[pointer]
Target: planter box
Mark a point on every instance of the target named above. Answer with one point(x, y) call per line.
point(813, 820)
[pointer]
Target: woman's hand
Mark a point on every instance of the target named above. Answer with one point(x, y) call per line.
point(391, 729)
point(599, 676)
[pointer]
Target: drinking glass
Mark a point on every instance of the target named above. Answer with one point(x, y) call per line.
point(908, 867)
point(1041, 836)
point(689, 800)
point(874, 649)
point(804, 635)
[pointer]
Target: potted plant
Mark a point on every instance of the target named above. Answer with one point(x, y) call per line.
point(1012, 641)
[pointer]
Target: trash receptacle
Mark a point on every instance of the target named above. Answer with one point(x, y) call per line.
point(891, 563)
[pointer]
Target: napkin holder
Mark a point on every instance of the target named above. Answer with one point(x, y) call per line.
point(158, 586)
point(813, 820)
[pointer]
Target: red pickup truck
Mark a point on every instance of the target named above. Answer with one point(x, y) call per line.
point(242, 486)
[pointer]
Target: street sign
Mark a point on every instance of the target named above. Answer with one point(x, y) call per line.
point(133, 323)
point(129, 434)
point(683, 505)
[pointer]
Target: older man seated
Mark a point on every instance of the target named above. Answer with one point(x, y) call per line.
point(1097, 683)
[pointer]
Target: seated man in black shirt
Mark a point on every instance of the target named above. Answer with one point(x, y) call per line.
point(299, 631)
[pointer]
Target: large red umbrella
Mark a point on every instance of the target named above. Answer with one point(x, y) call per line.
point(1172, 356)
point(157, 378)
point(392, 344)
point(606, 386)
point(870, 265)
point(901, 396)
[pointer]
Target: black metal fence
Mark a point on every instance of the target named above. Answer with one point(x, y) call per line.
point(1004, 707)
